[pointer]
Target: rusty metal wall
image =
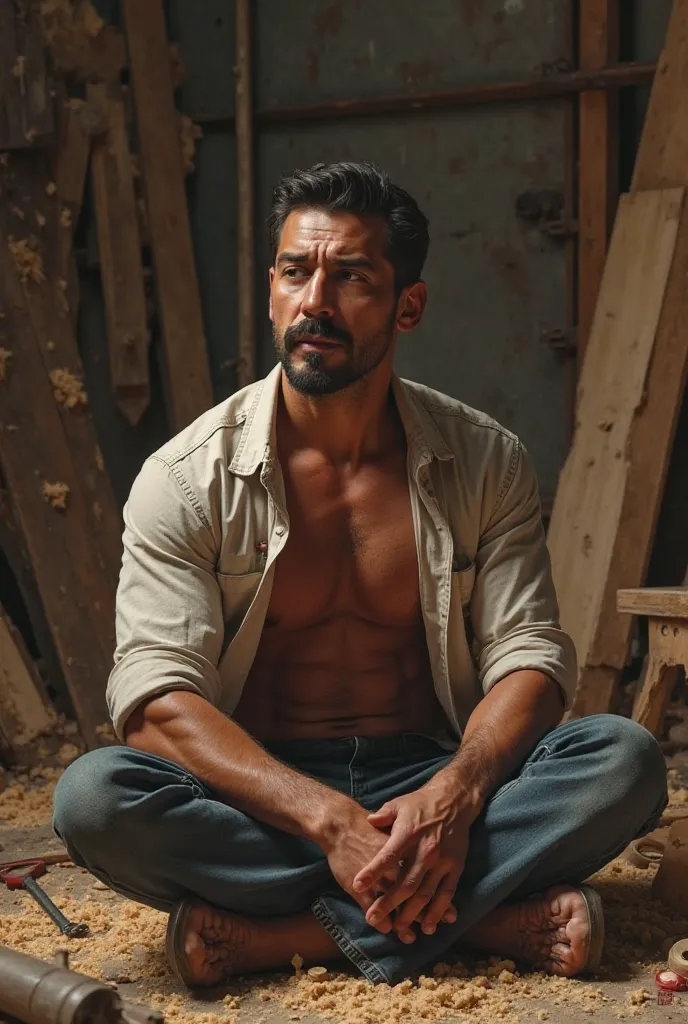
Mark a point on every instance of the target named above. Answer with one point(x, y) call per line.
point(495, 281)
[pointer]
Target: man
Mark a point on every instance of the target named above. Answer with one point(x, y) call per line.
point(339, 671)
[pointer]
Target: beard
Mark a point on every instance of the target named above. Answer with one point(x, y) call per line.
point(313, 376)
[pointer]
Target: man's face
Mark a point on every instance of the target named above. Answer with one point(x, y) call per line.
point(333, 303)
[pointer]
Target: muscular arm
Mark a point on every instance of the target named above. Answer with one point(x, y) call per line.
point(185, 728)
point(503, 729)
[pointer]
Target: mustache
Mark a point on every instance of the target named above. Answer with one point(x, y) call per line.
point(314, 328)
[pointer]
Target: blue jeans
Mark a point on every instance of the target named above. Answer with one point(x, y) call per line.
point(156, 834)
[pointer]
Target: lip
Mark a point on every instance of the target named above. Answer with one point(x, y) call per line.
point(317, 344)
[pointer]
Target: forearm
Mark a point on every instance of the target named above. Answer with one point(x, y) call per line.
point(504, 728)
point(183, 727)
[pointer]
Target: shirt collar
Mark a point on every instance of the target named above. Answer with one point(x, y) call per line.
point(257, 442)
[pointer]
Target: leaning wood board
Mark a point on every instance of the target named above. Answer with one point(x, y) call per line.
point(119, 246)
point(590, 500)
point(34, 451)
point(23, 712)
point(26, 182)
point(186, 371)
point(26, 107)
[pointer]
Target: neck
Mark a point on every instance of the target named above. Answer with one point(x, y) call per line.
point(347, 426)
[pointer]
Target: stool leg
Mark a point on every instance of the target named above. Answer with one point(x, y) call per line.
point(660, 676)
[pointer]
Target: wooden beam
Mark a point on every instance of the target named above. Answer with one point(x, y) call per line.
point(669, 602)
point(26, 107)
point(186, 371)
point(662, 160)
point(598, 157)
point(589, 513)
point(23, 711)
point(246, 258)
point(71, 167)
point(34, 199)
point(119, 247)
point(49, 506)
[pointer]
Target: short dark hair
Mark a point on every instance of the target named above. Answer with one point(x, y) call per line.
point(358, 188)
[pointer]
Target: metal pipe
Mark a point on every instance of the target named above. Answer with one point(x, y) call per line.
point(246, 259)
point(544, 87)
point(43, 993)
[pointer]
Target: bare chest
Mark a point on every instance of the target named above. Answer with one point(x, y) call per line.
point(351, 549)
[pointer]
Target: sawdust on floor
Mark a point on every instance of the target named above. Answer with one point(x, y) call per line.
point(640, 930)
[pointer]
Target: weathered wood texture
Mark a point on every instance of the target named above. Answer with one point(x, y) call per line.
point(246, 246)
point(662, 160)
point(597, 157)
point(186, 370)
point(50, 457)
point(26, 107)
point(119, 248)
point(668, 602)
point(23, 710)
point(668, 648)
point(35, 224)
point(70, 170)
point(592, 522)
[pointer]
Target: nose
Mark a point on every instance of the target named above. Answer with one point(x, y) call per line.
point(317, 302)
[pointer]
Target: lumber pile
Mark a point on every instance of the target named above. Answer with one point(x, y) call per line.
point(60, 524)
point(630, 391)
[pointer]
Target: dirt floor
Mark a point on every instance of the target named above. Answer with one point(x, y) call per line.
point(126, 944)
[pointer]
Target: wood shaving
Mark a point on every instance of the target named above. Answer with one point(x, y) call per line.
point(19, 69)
point(65, 217)
point(56, 494)
point(26, 808)
point(5, 356)
point(189, 133)
point(51, 188)
point(68, 389)
point(27, 259)
point(40, 219)
point(106, 732)
point(67, 23)
point(68, 752)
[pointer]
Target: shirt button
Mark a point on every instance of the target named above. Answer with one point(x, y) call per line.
point(280, 531)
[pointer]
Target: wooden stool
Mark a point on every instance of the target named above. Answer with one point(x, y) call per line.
point(667, 612)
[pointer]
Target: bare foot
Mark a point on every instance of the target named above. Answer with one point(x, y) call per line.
point(207, 945)
point(554, 934)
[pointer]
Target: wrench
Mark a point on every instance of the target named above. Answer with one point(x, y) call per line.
point(21, 874)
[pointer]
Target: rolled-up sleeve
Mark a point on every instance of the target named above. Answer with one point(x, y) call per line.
point(169, 609)
point(514, 607)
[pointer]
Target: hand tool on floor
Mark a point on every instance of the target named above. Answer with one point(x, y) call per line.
point(22, 874)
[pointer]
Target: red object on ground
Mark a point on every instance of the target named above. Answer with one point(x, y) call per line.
point(16, 872)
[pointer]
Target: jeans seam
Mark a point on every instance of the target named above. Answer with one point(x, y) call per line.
point(365, 965)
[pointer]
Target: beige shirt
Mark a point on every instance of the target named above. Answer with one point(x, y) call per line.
point(206, 521)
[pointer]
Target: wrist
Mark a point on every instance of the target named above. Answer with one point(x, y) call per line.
point(466, 796)
point(329, 818)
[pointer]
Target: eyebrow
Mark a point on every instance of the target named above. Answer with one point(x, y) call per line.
point(341, 261)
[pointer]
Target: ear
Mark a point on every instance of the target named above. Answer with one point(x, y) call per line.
point(271, 278)
point(411, 305)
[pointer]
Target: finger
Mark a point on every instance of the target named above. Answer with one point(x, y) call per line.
point(420, 899)
point(441, 902)
point(386, 860)
point(450, 915)
point(406, 887)
point(384, 816)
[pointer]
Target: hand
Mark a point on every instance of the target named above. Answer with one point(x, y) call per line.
point(355, 843)
point(429, 834)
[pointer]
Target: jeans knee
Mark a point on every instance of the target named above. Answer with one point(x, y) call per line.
point(635, 762)
point(85, 801)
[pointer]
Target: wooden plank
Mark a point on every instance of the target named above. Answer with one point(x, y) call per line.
point(589, 506)
point(119, 248)
point(71, 166)
point(23, 711)
point(246, 207)
point(662, 160)
point(186, 371)
point(26, 107)
point(38, 466)
point(27, 182)
point(671, 602)
point(597, 159)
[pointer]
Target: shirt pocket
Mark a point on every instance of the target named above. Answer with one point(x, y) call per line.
point(462, 583)
point(238, 591)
